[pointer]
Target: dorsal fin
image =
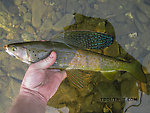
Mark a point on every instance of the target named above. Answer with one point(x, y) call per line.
point(85, 39)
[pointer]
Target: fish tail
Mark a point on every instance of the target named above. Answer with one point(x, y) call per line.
point(137, 72)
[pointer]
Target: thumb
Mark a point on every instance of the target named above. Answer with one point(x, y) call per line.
point(45, 63)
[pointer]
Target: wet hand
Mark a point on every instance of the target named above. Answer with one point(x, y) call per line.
point(41, 81)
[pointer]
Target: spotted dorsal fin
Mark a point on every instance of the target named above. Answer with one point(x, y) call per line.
point(88, 39)
point(85, 39)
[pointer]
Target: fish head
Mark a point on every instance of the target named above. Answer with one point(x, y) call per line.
point(18, 52)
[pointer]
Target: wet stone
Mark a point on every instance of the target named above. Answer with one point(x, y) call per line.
point(27, 17)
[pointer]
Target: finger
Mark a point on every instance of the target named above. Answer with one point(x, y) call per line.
point(45, 63)
point(64, 74)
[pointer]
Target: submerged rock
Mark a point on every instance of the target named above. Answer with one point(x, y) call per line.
point(64, 21)
point(46, 26)
point(27, 37)
point(38, 10)
point(27, 17)
point(129, 89)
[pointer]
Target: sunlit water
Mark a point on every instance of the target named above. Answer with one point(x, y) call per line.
point(26, 20)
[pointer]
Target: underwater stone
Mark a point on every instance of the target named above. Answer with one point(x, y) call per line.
point(2, 20)
point(10, 36)
point(17, 74)
point(27, 37)
point(13, 88)
point(22, 9)
point(17, 2)
point(3, 83)
point(145, 39)
point(142, 17)
point(117, 107)
point(145, 8)
point(29, 29)
point(3, 55)
point(27, 17)
point(46, 26)
point(120, 18)
point(2, 73)
point(38, 10)
point(140, 26)
point(129, 89)
point(64, 21)
point(107, 90)
point(87, 104)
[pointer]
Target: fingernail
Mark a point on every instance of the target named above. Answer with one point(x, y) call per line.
point(51, 55)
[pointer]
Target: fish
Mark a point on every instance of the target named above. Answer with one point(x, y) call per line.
point(72, 58)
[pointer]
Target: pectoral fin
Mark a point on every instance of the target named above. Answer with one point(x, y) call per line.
point(78, 78)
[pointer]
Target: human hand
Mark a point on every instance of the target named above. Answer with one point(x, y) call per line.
point(41, 81)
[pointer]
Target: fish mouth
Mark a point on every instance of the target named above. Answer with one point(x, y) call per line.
point(7, 51)
point(5, 47)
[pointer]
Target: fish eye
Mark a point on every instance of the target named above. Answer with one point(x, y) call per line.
point(14, 48)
